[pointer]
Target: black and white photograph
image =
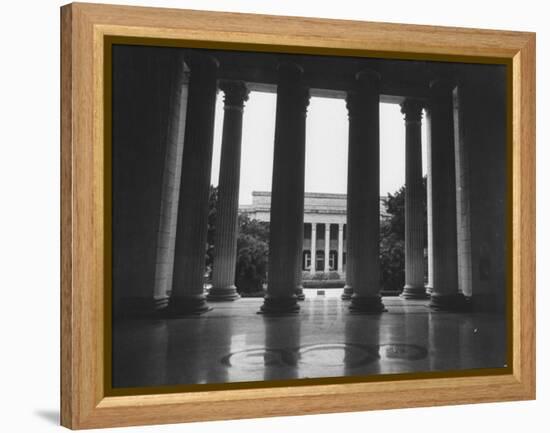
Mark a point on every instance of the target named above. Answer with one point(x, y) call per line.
point(287, 217)
point(275, 216)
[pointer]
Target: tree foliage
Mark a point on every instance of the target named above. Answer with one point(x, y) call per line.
point(252, 248)
point(212, 203)
point(252, 254)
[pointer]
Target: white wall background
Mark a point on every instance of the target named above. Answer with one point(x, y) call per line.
point(29, 220)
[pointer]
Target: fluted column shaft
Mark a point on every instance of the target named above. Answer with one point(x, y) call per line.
point(363, 199)
point(348, 288)
point(299, 288)
point(190, 249)
point(429, 216)
point(445, 294)
point(327, 247)
point(313, 248)
point(414, 212)
point(287, 197)
point(340, 248)
point(225, 241)
point(166, 236)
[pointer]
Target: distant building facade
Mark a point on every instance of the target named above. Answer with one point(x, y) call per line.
point(324, 243)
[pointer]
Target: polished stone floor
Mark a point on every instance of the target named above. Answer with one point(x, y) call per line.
point(234, 344)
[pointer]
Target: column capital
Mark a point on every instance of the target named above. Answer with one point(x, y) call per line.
point(368, 78)
point(290, 72)
point(290, 85)
point(412, 110)
point(183, 68)
point(235, 94)
point(366, 84)
point(441, 88)
point(202, 64)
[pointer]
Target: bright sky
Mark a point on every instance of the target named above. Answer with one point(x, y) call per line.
point(326, 146)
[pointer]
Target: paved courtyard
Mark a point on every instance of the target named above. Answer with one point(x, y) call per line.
point(233, 343)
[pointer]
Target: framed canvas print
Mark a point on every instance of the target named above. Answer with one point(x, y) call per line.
point(268, 216)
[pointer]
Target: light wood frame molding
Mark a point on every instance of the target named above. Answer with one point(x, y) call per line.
point(83, 206)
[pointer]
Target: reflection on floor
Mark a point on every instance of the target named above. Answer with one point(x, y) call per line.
point(233, 344)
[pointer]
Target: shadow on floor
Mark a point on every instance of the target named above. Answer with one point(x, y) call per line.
point(49, 415)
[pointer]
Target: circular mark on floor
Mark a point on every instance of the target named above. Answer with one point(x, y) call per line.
point(337, 355)
point(255, 358)
point(349, 355)
point(330, 355)
point(407, 352)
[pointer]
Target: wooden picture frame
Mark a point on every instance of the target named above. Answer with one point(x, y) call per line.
point(84, 206)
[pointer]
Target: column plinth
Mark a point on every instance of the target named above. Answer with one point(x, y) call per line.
point(190, 248)
point(348, 290)
point(366, 304)
point(225, 242)
point(287, 196)
point(414, 218)
point(449, 302)
point(187, 305)
point(445, 294)
point(280, 305)
point(363, 200)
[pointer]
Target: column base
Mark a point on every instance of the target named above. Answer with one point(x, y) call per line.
point(455, 302)
point(300, 294)
point(410, 292)
point(279, 306)
point(187, 306)
point(367, 304)
point(222, 294)
point(347, 294)
point(136, 307)
point(160, 302)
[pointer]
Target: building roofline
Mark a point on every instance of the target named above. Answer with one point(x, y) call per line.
point(310, 195)
point(306, 194)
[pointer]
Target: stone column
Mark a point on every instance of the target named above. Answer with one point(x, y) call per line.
point(166, 236)
point(463, 206)
point(429, 216)
point(414, 218)
point(190, 249)
point(327, 247)
point(313, 247)
point(299, 290)
point(445, 294)
point(225, 241)
point(348, 288)
point(340, 248)
point(287, 196)
point(363, 201)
